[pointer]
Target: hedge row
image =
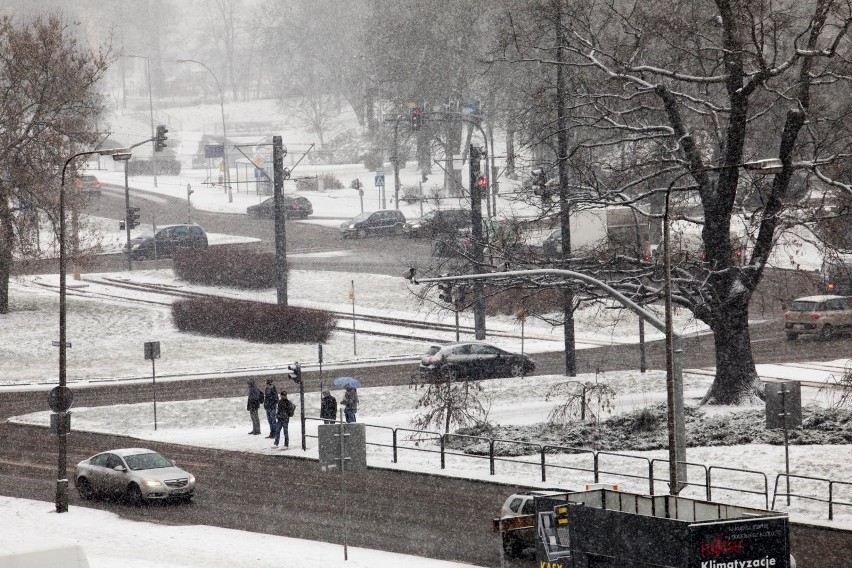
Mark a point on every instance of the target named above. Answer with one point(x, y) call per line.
point(253, 321)
point(223, 266)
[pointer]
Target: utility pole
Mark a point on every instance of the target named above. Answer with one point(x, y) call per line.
point(476, 238)
point(280, 220)
point(564, 201)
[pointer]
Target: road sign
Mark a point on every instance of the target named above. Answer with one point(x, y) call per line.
point(258, 160)
point(152, 350)
point(214, 151)
point(56, 402)
point(380, 181)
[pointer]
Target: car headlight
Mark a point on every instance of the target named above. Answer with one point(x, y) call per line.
point(191, 478)
point(416, 226)
point(352, 226)
point(135, 246)
point(153, 483)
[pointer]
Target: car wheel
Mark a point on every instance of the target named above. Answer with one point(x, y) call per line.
point(827, 332)
point(512, 545)
point(792, 336)
point(362, 233)
point(84, 488)
point(449, 374)
point(517, 369)
point(134, 494)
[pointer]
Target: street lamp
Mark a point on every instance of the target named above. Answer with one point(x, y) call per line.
point(224, 130)
point(62, 478)
point(674, 373)
point(150, 108)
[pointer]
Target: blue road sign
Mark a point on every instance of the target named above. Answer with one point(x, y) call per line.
point(380, 181)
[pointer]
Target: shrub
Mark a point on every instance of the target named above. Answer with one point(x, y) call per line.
point(252, 321)
point(222, 266)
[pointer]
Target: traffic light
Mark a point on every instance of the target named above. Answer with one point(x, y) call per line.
point(132, 217)
point(539, 183)
point(445, 291)
point(294, 371)
point(482, 181)
point(160, 140)
point(475, 169)
point(460, 297)
point(416, 118)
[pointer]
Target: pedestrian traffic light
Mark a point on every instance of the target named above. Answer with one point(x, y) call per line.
point(160, 140)
point(416, 118)
point(475, 169)
point(294, 372)
point(132, 217)
point(445, 291)
point(482, 181)
point(460, 296)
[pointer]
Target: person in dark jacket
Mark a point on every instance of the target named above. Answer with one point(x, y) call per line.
point(270, 404)
point(255, 398)
point(328, 407)
point(350, 403)
point(286, 409)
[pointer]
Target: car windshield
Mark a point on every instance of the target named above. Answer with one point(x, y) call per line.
point(146, 461)
point(149, 234)
point(430, 215)
point(432, 350)
point(803, 306)
point(362, 216)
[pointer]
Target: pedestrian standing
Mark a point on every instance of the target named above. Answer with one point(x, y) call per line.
point(350, 403)
point(255, 399)
point(328, 407)
point(285, 411)
point(270, 404)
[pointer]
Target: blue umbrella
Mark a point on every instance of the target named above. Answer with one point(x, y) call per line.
point(347, 382)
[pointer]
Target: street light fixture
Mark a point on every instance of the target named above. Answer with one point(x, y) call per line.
point(224, 129)
point(150, 108)
point(62, 465)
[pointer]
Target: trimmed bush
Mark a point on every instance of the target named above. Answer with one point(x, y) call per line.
point(223, 266)
point(329, 181)
point(252, 321)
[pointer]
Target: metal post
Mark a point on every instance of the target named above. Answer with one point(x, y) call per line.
point(396, 161)
point(62, 462)
point(783, 394)
point(340, 430)
point(457, 324)
point(188, 204)
point(126, 220)
point(151, 109)
point(352, 297)
point(476, 234)
point(280, 220)
point(154, 384)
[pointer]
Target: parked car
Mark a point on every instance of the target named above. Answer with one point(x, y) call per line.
point(88, 184)
point(818, 315)
point(168, 240)
point(295, 207)
point(473, 360)
point(136, 474)
point(438, 222)
point(384, 222)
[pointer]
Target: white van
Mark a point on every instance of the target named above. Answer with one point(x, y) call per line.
point(40, 553)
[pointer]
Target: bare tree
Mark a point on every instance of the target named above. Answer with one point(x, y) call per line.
point(48, 104)
point(449, 402)
point(671, 100)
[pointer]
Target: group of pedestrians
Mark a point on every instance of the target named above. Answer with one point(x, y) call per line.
point(279, 409)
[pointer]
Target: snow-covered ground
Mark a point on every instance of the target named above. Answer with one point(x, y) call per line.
point(109, 541)
point(107, 337)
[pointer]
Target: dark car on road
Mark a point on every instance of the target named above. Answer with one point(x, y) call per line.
point(166, 241)
point(473, 360)
point(438, 222)
point(295, 207)
point(384, 222)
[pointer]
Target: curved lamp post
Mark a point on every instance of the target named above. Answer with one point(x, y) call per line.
point(61, 478)
point(674, 373)
point(224, 130)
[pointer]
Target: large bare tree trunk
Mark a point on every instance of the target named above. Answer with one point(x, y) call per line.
point(735, 371)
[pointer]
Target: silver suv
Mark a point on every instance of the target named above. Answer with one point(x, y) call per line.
point(823, 316)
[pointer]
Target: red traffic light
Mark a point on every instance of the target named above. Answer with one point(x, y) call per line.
point(482, 181)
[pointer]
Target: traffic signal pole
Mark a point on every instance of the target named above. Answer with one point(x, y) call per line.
point(476, 237)
point(280, 220)
point(126, 220)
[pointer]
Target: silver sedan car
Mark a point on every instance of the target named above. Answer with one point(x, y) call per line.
point(134, 473)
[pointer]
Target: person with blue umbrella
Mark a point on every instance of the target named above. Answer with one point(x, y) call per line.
point(350, 399)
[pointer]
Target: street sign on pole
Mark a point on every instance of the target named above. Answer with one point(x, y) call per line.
point(380, 180)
